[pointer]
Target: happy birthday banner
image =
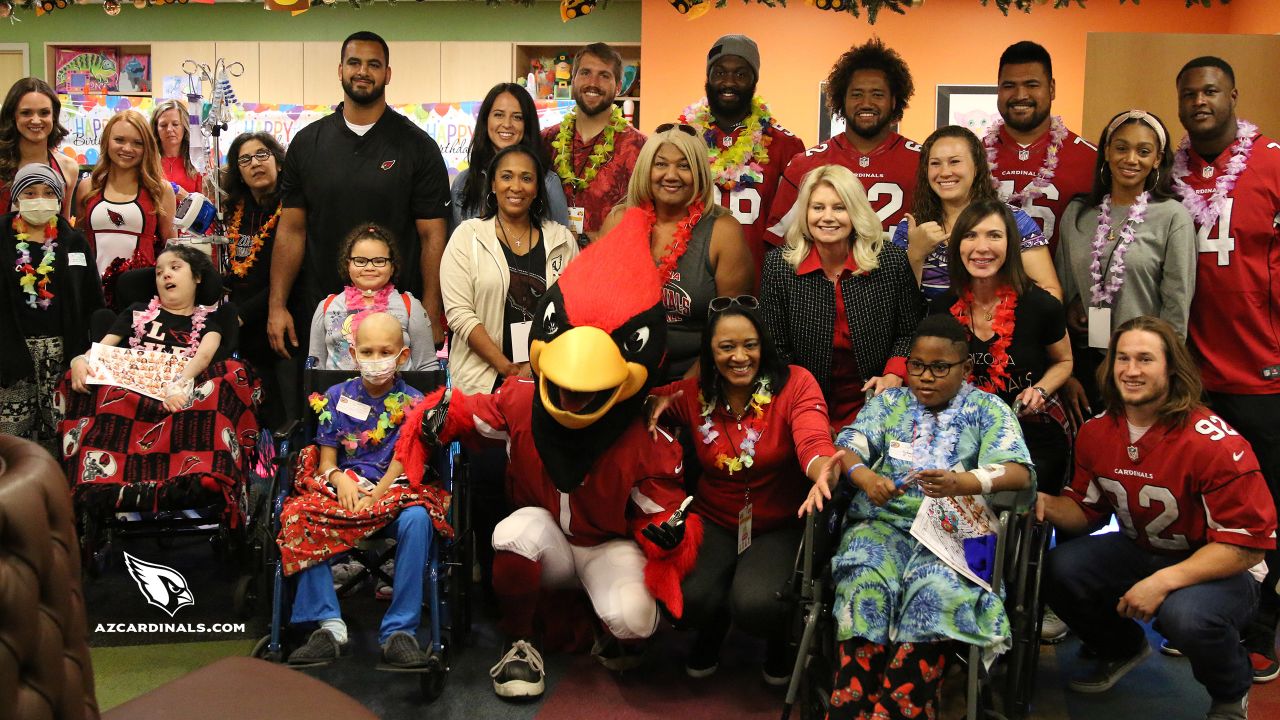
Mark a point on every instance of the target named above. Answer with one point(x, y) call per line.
point(452, 125)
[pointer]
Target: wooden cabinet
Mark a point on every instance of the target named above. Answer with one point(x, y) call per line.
point(282, 71)
point(320, 85)
point(415, 73)
point(523, 55)
point(469, 69)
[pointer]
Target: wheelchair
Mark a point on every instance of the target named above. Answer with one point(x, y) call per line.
point(1003, 692)
point(449, 561)
point(183, 511)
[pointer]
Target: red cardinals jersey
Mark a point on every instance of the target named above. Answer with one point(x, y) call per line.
point(750, 205)
point(635, 482)
point(888, 174)
point(1017, 166)
point(1236, 309)
point(1189, 486)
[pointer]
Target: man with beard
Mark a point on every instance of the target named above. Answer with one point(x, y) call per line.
point(869, 87)
point(364, 163)
point(1037, 163)
point(748, 149)
point(1228, 176)
point(594, 148)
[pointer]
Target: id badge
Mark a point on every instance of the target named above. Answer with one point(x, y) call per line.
point(744, 528)
point(1099, 327)
point(520, 341)
point(577, 218)
point(353, 408)
point(899, 450)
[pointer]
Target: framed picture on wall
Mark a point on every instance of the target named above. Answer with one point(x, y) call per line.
point(829, 123)
point(971, 106)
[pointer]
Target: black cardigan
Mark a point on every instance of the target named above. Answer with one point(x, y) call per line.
point(78, 288)
point(883, 308)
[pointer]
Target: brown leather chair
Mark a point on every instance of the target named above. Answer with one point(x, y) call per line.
point(45, 670)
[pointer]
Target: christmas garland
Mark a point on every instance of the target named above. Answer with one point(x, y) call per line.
point(600, 152)
point(740, 165)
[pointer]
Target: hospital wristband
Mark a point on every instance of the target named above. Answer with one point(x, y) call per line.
point(849, 474)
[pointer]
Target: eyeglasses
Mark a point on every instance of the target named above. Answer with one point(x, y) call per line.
point(365, 262)
point(686, 129)
point(939, 369)
point(261, 156)
point(724, 302)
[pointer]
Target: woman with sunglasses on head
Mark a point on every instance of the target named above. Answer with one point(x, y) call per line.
point(368, 260)
point(763, 439)
point(30, 131)
point(507, 117)
point(1128, 248)
point(837, 298)
point(495, 269)
point(953, 173)
point(171, 127)
point(697, 244)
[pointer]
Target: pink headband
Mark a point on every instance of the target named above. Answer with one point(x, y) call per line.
point(1145, 117)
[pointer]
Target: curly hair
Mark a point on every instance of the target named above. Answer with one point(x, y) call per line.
point(233, 180)
point(10, 138)
point(368, 231)
point(871, 55)
point(926, 206)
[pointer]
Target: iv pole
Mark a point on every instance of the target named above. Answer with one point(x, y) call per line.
point(209, 163)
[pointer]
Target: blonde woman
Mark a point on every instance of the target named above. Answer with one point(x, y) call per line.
point(170, 126)
point(697, 245)
point(839, 300)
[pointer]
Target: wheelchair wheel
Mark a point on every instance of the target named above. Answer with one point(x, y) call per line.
point(432, 681)
point(1024, 656)
point(244, 597)
point(261, 650)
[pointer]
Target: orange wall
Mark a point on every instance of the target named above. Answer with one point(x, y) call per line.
point(944, 42)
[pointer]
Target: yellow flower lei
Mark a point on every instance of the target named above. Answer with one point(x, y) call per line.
point(741, 164)
point(600, 153)
point(760, 396)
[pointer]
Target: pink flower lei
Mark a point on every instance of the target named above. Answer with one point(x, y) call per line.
point(1105, 292)
point(1204, 212)
point(144, 318)
point(1044, 176)
point(355, 303)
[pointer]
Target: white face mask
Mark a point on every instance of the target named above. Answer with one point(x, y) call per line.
point(378, 371)
point(38, 211)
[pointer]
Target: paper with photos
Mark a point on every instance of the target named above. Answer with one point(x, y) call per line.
point(942, 524)
point(147, 372)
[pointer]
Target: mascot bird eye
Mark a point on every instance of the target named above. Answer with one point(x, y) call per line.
point(637, 341)
point(549, 326)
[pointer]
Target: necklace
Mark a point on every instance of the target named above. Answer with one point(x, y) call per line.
point(241, 267)
point(756, 424)
point(600, 152)
point(1205, 213)
point(506, 236)
point(144, 318)
point(1105, 293)
point(1002, 322)
point(393, 409)
point(934, 441)
point(356, 307)
point(34, 281)
point(679, 239)
point(741, 163)
point(1044, 176)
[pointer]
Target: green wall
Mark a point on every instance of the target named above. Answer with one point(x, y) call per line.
point(460, 20)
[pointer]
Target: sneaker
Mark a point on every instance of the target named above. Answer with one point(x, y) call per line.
point(1234, 710)
point(1166, 648)
point(1265, 669)
point(616, 655)
point(383, 589)
point(519, 673)
point(401, 652)
point(1106, 673)
point(344, 571)
point(322, 648)
point(704, 655)
point(1052, 629)
point(778, 664)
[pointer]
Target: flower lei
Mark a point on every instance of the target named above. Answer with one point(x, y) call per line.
point(393, 409)
point(35, 280)
point(355, 303)
point(143, 318)
point(600, 153)
point(1044, 176)
point(1002, 324)
point(741, 164)
point(756, 424)
point(241, 267)
point(934, 441)
point(1205, 213)
point(1106, 292)
point(679, 239)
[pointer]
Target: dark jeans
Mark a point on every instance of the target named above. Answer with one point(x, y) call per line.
point(724, 585)
point(1255, 418)
point(1083, 583)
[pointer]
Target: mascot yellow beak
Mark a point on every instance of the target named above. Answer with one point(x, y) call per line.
point(582, 375)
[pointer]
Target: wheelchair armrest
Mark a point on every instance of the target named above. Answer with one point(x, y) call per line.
point(288, 431)
point(1013, 500)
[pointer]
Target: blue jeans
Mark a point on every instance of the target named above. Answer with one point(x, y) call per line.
point(316, 600)
point(1085, 578)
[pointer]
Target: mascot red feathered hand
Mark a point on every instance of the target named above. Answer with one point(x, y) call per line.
point(583, 473)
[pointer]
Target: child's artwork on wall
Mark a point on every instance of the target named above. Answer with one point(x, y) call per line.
point(135, 74)
point(87, 70)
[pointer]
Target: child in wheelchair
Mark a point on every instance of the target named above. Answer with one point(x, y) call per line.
point(898, 606)
point(347, 487)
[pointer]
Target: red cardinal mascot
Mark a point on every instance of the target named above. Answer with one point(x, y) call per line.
point(597, 497)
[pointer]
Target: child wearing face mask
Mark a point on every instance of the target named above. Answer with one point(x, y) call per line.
point(45, 302)
point(350, 484)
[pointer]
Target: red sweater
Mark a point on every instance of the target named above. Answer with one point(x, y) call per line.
point(796, 432)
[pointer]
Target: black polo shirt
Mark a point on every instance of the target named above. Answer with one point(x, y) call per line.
point(393, 175)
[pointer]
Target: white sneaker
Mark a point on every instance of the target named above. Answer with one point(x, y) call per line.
point(520, 672)
point(1052, 629)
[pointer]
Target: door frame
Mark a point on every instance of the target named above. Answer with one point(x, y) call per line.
point(26, 54)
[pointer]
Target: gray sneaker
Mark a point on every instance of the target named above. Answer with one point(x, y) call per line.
point(1052, 629)
point(1106, 673)
point(1234, 710)
point(322, 648)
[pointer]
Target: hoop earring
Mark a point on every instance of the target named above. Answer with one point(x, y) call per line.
point(491, 200)
point(1157, 181)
